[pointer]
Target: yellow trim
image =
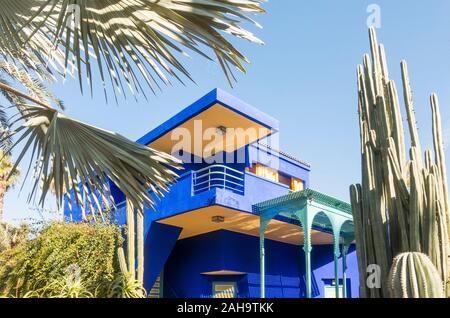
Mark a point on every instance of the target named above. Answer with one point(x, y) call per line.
point(214, 117)
point(223, 272)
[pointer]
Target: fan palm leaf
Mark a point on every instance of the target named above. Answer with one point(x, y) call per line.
point(74, 155)
point(131, 40)
point(36, 53)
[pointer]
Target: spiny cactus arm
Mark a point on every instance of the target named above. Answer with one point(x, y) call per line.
point(439, 151)
point(400, 201)
point(428, 160)
point(411, 116)
point(368, 87)
point(122, 261)
point(360, 232)
point(363, 101)
point(429, 217)
point(442, 246)
point(397, 126)
point(377, 68)
point(384, 66)
point(399, 177)
point(415, 208)
point(140, 246)
point(131, 236)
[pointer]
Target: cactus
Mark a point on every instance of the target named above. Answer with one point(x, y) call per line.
point(128, 264)
point(413, 275)
point(401, 204)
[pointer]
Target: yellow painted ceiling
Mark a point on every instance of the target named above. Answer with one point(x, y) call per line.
point(223, 272)
point(214, 117)
point(199, 222)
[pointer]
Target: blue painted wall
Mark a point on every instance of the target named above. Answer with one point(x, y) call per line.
point(160, 241)
point(225, 250)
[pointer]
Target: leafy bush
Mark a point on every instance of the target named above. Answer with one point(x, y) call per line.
point(64, 260)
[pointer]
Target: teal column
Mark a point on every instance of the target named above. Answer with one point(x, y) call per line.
point(307, 247)
point(344, 269)
point(337, 253)
point(305, 220)
point(262, 255)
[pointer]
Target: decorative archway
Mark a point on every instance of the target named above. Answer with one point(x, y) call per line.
point(306, 206)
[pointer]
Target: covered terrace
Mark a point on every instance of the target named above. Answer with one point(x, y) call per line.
point(315, 212)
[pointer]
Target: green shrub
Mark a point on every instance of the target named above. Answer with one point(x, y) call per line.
point(44, 266)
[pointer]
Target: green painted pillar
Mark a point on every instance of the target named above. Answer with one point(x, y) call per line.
point(305, 219)
point(262, 254)
point(344, 269)
point(337, 253)
point(307, 247)
point(336, 275)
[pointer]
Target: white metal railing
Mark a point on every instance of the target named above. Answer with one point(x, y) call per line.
point(218, 176)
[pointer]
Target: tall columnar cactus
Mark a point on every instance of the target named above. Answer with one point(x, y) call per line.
point(134, 276)
point(413, 275)
point(401, 204)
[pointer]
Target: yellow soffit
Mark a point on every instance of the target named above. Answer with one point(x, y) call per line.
point(199, 222)
point(203, 134)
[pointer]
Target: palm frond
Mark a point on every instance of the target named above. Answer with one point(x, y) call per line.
point(135, 41)
point(33, 53)
point(37, 92)
point(74, 155)
point(33, 85)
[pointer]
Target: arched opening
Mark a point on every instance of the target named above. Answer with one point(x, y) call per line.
point(324, 223)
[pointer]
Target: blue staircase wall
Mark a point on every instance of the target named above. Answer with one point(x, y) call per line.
point(160, 241)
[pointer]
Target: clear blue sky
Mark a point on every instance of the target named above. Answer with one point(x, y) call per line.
point(305, 77)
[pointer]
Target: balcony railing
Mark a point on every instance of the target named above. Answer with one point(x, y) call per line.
point(218, 176)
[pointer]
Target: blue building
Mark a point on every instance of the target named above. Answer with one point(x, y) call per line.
point(241, 221)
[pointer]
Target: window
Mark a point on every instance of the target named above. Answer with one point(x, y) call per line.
point(266, 172)
point(297, 184)
point(261, 170)
point(224, 290)
point(284, 179)
point(330, 289)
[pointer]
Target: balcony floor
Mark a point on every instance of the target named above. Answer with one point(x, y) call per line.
point(200, 222)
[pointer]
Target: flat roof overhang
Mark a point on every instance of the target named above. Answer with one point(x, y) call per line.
point(200, 221)
point(243, 123)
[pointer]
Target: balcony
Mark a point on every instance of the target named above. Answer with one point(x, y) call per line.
point(218, 176)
